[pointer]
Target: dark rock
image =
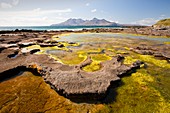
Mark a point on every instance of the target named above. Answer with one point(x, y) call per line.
point(71, 43)
point(2, 39)
point(14, 55)
point(60, 45)
point(34, 51)
point(120, 58)
point(16, 30)
point(137, 64)
point(14, 42)
point(46, 45)
point(29, 51)
point(2, 48)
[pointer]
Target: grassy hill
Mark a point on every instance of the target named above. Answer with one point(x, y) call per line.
point(164, 22)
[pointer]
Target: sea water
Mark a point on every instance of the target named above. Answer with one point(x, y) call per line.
point(54, 28)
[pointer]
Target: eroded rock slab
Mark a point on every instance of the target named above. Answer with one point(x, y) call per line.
point(160, 50)
point(71, 80)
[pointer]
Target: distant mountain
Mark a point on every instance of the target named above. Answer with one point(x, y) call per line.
point(81, 22)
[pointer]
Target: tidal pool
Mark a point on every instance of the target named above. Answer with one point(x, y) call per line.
point(80, 37)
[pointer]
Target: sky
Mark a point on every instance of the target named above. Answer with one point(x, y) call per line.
point(47, 12)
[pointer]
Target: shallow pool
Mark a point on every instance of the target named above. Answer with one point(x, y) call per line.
point(79, 37)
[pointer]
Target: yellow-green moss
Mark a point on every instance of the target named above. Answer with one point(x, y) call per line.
point(94, 66)
point(151, 59)
point(110, 52)
point(93, 51)
point(72, 59)
point(142, 78)
point(67, 44)
point(100, 57)
point(127, 48)
point(166, 42)
point(137, 96)
point(129, 60)
point(121, 52)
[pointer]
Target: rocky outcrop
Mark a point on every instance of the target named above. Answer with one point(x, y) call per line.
point(161, 50)
point(70, 80)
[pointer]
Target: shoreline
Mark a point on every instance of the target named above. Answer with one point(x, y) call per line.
point(146, 31)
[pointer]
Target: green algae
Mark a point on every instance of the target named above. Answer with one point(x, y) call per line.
point(96, 60)
point(166, 42)
point(129, 60)
point(127, 48)
point(71, 59)
point(145, 91)
point(156, 62)
point(121, 52)
point(162, 79)
point(100, 57)
point(136, 95)
point(96, 57)
point(94, 66)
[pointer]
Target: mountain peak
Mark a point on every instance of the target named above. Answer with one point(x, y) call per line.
point(81, 22)
point(95, 19)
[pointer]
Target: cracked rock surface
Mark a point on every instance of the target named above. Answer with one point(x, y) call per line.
point(70, 80)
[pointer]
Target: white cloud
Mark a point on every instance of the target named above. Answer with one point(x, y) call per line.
point(15, 2)
point(32, 17)
point(162, 17)
point(149, 21)
point(94, 10)
point(10, 4)
point(5, 5)
point(87, 4)
point(146, 21)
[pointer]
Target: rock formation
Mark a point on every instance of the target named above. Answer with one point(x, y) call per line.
point(69, 80)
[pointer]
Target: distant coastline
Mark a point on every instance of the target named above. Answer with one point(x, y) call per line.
point(53, 28)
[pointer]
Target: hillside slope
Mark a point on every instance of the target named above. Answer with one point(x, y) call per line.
point(163, 23)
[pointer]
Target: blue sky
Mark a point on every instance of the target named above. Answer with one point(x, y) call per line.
point(47, 12)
